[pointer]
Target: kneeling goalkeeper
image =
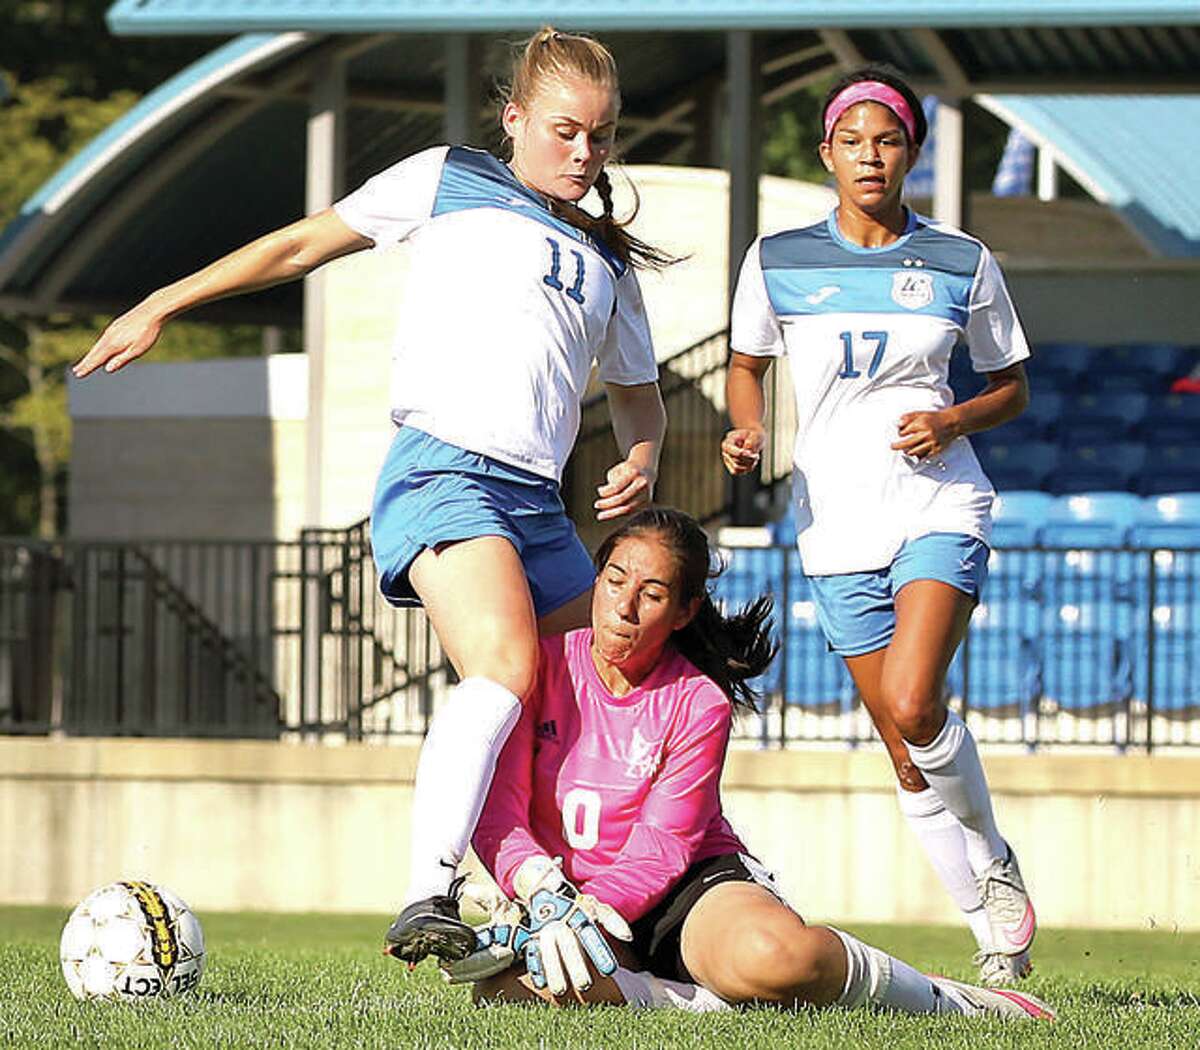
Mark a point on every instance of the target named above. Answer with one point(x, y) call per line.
point(605, 817)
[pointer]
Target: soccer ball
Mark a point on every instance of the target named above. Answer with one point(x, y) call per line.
point(132, 941)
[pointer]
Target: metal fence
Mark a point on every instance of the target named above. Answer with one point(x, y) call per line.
point(691, 476)
point(195, 638)
point(1068, 646)
point(261, 639)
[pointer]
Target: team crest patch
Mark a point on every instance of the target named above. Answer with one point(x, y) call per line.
point(912, 290)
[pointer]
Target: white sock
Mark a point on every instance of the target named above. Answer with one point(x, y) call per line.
point(874, 978)
point(941, 837)
point(454, 773)
point(950, 763)
point(644, 990)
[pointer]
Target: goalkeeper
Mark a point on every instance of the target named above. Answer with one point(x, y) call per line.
point(604, 818)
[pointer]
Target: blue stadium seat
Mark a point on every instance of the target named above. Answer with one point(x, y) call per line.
point(1018, 516)
point(999, 667)
point(1101, 380)
point(1023, 465)
point(1176, 647)
point(1092, 468)
point(1069, 362)
point(1171, 468)
point(1092, 519)
point(1165, 360)
point(1168, 521)
point(1172, 420)
point(1099, 418)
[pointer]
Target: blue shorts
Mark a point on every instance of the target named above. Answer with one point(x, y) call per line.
point(430, 492)
point(857, 610)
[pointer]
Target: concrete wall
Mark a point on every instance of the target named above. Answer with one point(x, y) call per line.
point(195, 450)
point(1104, 841)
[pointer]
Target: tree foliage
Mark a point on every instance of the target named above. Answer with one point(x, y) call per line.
point(65, 79)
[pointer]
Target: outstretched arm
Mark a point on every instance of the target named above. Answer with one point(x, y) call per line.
point(283, 255)
point(639, 422)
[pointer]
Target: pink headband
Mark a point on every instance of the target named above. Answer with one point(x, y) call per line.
point(870, 91)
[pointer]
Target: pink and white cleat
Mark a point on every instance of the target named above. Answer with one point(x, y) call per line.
point(1009, 911)
point(993, 1002)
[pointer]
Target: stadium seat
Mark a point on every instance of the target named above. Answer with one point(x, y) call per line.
point(1023, 465)
point(1168, 521)
point(1103, 381)
point(1172, 420)
point(1092, 519)
point(1018, 516)
point(1068, 362)
point(999, 668)
point(1099, 418)
point(1165, 360)
point(1170, 468)
point(1091, 468)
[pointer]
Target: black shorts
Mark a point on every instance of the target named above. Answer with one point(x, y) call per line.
point(657, 935)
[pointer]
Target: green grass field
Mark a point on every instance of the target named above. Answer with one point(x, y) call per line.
point(319, 981)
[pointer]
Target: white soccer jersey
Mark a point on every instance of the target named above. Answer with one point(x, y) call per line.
point(868, 333)
point(505, 308)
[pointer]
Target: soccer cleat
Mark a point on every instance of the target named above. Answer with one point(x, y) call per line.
point(1009, 911)
point(431, 927)
point(994, 1002)
point(996, 968)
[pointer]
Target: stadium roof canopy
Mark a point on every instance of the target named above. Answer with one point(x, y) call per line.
point(318, 95)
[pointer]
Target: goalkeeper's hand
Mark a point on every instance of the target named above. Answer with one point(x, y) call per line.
point(498, 942)
point(562, 921)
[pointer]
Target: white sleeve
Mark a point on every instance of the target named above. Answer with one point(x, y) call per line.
point(627, 355)
point(754, 327)
point(995, 337)
point(389, 206)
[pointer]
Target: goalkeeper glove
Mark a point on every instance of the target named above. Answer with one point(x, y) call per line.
point(561, 922)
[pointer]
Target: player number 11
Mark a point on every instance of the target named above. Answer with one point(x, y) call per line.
point(553, 279)
point(848, 370)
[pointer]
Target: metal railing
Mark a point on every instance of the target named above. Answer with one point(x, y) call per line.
point(691, 476)
point(220, 638)
point(1068, 646)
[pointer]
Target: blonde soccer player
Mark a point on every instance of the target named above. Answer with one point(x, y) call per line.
point(514, 292)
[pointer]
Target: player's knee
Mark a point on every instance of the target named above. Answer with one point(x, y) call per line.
point(776, 963)
point(915, 710)
point(512, 665)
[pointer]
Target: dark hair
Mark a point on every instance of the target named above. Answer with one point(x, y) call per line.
point(893, 78)
point(729, 649)
point(551, 53)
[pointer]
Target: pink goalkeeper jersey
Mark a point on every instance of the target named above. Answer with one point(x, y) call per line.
point(624, 789)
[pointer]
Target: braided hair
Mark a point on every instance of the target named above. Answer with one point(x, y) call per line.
point(553, 54)
point(729, 649)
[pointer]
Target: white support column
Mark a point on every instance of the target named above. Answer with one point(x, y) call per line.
point(464, 94)
point(1047, 176)
point(324, 181)
point(948, 192)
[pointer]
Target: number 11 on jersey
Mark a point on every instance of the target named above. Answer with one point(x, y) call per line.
point(848, 370)
point(552, 278)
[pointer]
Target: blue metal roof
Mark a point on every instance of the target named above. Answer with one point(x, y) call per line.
point(1130, 152)
point(215, 156)
point(354, 16)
